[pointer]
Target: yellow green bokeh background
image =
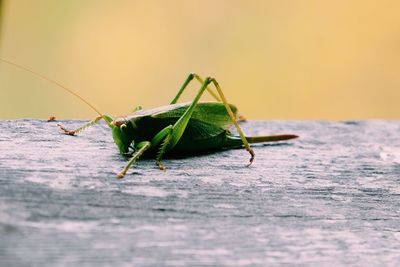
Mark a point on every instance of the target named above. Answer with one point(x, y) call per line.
point(286, 59)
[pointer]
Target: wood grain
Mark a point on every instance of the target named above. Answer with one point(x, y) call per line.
point(331, 198)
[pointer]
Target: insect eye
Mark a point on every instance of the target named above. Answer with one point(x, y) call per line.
point(122, 127)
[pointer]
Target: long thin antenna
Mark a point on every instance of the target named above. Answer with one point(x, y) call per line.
point(53, 82)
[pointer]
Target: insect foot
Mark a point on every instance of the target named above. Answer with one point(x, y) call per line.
point(51, 118)
point(160, 165)
point(252, 156)
point(120, 175)
point(65, 130)
point(242, 118)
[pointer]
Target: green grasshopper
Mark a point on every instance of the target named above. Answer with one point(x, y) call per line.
point(186, 128)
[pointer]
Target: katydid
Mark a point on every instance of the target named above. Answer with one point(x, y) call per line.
point(188, 128)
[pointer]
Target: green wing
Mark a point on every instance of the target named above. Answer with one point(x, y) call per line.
point(198, 130)
point(211, 113)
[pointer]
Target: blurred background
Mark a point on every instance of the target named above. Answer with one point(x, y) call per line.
point(286, 59)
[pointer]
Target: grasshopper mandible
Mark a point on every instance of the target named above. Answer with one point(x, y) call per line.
point(188, 128)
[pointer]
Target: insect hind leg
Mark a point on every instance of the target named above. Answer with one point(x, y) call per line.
point(176, 131)
point(234, 120)
point(190, 77)
point(179, 127)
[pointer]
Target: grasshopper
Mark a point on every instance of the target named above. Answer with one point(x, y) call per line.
point(185, 128)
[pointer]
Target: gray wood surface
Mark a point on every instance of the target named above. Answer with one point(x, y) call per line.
point(330, 198)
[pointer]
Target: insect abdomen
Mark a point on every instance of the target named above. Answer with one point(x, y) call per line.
point(189, 145)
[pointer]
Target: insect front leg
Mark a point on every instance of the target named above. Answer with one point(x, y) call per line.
point(108, 119)
point(81, 128)
point(190, 77)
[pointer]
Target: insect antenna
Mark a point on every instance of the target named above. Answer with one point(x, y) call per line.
point(53, 82)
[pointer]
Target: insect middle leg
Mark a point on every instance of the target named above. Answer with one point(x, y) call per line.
point(190, 77)
point(141, 148)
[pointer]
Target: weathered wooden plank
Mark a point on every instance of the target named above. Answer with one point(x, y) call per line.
point(332, 197)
